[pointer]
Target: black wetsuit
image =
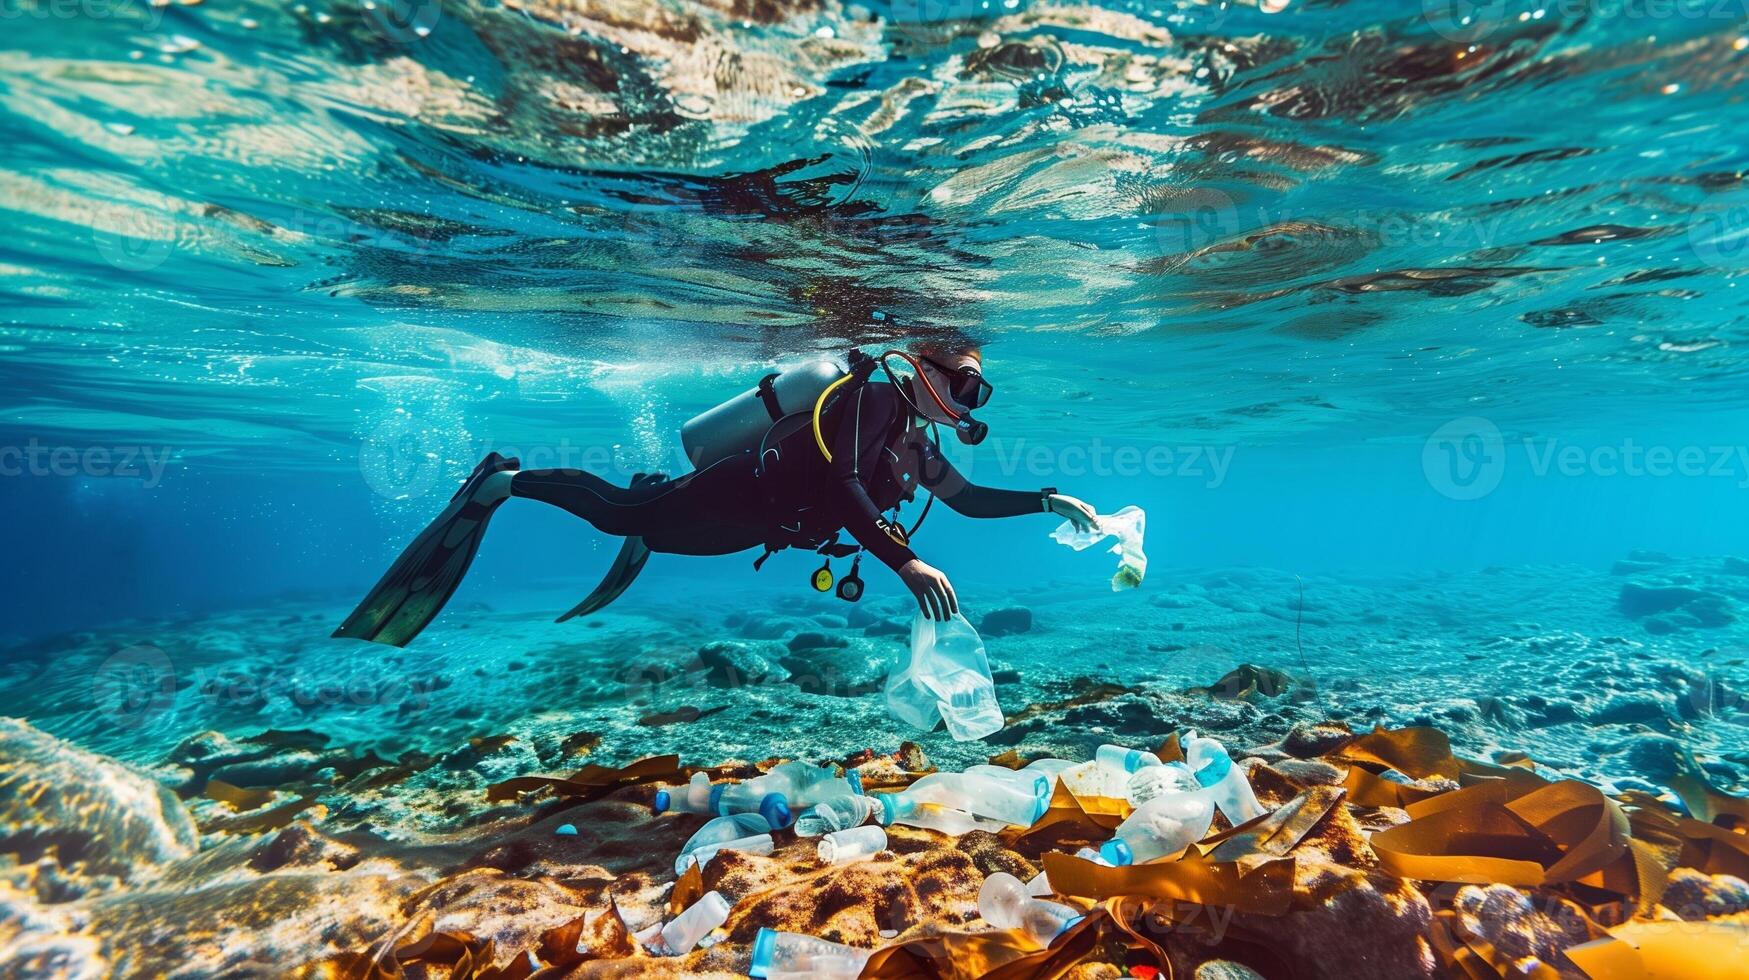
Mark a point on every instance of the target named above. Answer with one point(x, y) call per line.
point(792, 497)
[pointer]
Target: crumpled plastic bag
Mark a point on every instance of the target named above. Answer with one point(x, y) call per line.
point(1127, 526)
point(946, 678)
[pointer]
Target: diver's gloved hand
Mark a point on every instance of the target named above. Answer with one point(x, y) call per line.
point(935, 595)
point(1076, 512)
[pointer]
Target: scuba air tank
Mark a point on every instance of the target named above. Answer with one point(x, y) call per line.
point(741, 423)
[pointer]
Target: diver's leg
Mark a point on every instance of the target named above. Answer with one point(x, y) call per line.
point(716, 511)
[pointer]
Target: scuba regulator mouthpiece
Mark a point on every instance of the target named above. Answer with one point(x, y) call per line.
point(970, 430)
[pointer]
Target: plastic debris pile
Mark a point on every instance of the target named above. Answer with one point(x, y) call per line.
point(1355, 855)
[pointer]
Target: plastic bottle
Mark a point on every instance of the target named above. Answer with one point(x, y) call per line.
point(1025, 780)
point(683, 932)
point(1051, 769)
point(896, 808)
point(1124, 759)
point(1151, 781)
point(838, 813)
point(1164, 825)
point(980, 795)
point(1004, 903)
point(694, 797)
point(785, 790)
point(735, 832)
point(788, 954)
point(946, 678)
point(1227, 785)
point(845, 846)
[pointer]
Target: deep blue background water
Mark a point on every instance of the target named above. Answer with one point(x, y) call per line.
point(326, 263)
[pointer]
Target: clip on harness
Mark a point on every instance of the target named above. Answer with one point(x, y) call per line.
point(862, 367)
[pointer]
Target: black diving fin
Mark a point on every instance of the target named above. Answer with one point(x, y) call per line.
point(422, 579)
point(626, 566)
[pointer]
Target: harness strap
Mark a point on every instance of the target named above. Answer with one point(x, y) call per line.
point(768, 395)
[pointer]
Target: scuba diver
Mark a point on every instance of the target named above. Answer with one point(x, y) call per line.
point(805, 455)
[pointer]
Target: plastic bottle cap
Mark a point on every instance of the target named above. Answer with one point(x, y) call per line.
point(775, 809)
point(662, 801)
point(854, 778)
point(1117, 852)
point(762, 950)
point(1215, 771)
point(889, 809)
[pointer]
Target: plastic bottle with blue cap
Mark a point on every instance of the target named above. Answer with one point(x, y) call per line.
point(784, 790)
point(1121, 758)
point(1207, 758)
point(896, 808)
point(792, 956)
point(1005, 904)
point(984, 796)
point(1163, 826)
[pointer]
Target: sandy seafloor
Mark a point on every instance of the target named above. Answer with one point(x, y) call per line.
point(1598, 674)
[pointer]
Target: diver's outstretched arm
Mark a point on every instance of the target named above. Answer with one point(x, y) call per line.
point(939, 477)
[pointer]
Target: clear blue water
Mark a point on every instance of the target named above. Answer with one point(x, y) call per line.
point(313, 262)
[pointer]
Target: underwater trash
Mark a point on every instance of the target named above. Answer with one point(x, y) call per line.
point(1207, 758)
point(747, 832)
point(845, 846)
point(947, 678)
point(1127, 526)
point(683, 932)
point(1124, 759)
point(1163, 826)
point(979, 795)
point(1004, 903)
point(897, 808)
point(1153, 781)
point(786, 788)
point(565, 830)
point(840, 813)
point(693, 797)
point(781, 955)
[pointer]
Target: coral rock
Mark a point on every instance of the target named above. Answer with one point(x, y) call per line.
point(91, 811)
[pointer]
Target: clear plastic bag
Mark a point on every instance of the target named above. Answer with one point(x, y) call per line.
point(946, 678)
point(1127, 525)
